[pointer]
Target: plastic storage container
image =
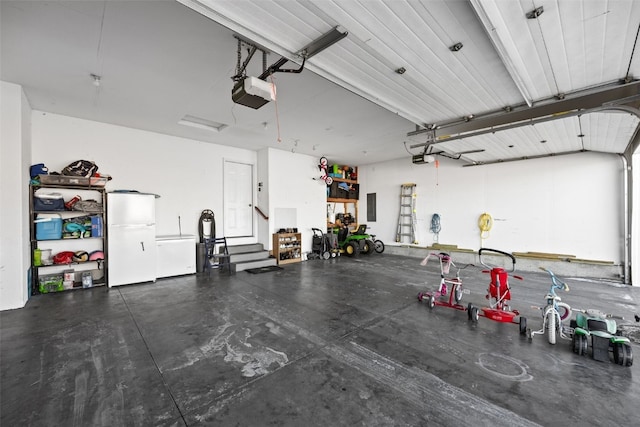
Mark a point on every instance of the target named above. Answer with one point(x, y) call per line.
point(48, 227)
point(93, 181)
point(50, 283)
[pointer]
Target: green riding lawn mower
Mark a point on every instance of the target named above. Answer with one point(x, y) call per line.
point(358, 242)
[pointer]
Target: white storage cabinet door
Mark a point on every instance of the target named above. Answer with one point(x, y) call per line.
point(132, 254)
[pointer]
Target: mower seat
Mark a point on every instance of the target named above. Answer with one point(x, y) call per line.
point(361, 231)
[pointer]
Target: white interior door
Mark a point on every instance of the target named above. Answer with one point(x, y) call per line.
point(238, 199)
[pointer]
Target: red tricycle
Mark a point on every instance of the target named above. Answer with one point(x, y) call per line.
point(499, 293)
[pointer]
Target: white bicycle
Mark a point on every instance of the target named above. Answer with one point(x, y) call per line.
point(554, 312)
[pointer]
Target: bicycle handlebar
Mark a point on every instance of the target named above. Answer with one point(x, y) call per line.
point(507, 254)
point(555, 282)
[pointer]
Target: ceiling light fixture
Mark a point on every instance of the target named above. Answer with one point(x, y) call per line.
point(456, 47)
point(200, 123)
point(333, 36)
point(401, 70)
point(535, 13)
point(479, 150)
point(96, 79)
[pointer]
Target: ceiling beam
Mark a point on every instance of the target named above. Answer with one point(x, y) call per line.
point(602, 98)
point(519, 159)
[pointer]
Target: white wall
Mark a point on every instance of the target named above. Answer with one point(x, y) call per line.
point(635, 217)
point(187, 174)
point(561, 205)
point(262, 197)
point(15, 150)
point(293, 190)
point(567, 204)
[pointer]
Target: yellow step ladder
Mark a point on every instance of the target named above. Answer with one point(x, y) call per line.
point(407, 216)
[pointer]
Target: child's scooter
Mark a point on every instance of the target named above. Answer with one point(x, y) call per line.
point(498, 294)
point(554, 312)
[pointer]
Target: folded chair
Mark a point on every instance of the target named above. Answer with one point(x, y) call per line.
point(217, 254)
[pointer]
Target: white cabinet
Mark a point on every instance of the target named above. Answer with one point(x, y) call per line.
point(132, 231)
point(133, 255)
point(176, 255)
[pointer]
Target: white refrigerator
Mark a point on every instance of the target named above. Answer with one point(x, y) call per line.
point(131, 226)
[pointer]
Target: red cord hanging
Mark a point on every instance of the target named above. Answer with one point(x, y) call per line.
point(276, 105)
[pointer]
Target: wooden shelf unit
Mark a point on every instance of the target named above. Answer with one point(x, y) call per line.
point(287, 247)
point(345, 202)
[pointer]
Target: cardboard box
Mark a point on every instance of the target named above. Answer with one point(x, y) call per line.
point(96, 226)
point(87, 279)
point(68, 278)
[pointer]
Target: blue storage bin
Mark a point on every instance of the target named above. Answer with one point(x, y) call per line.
point(48, 227)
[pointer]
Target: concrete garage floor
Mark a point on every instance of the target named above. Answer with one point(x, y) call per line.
point(342, 342)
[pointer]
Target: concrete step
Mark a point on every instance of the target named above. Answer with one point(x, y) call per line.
point(245, 265)
point(249, 256)
point(249, 247)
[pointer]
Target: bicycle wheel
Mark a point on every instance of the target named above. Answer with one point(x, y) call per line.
point(432, 301)
point(551, 326)
point(523, 327)
point(564, 310)
point(458, 294)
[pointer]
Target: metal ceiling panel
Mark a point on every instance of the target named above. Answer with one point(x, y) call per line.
point(571, 45)
point(608, 132)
